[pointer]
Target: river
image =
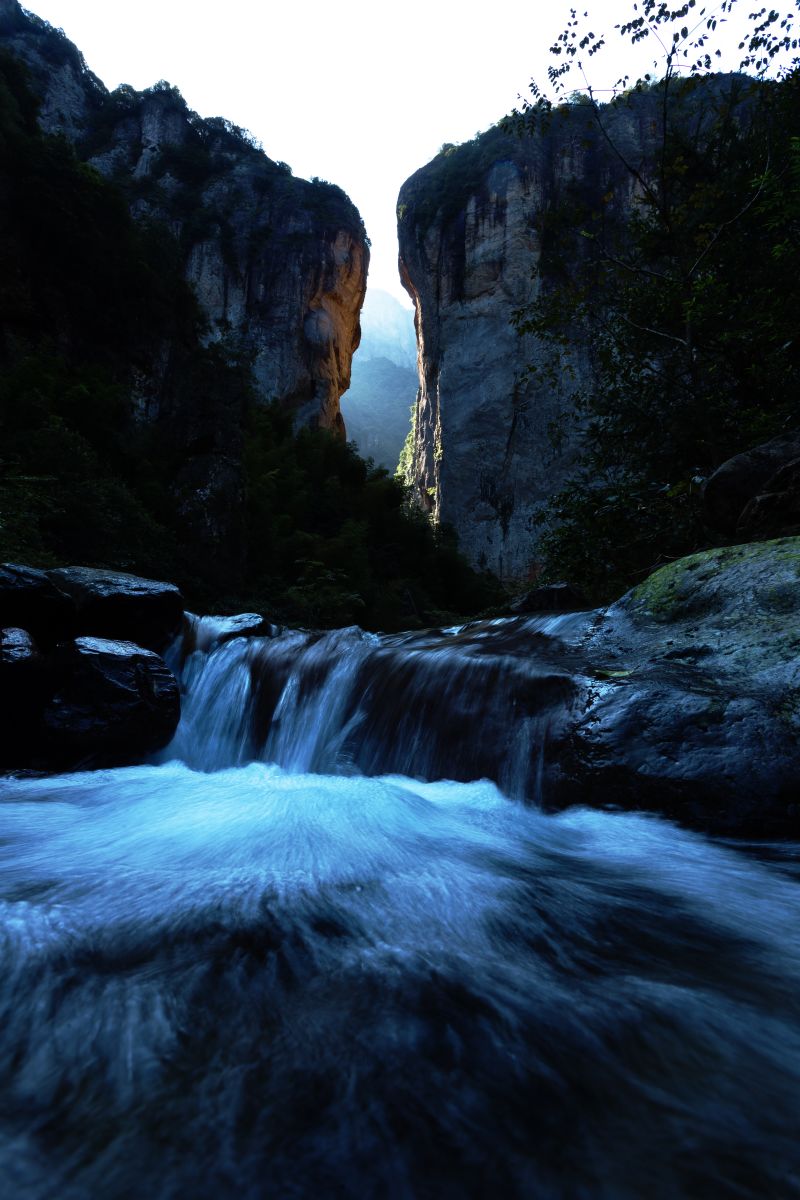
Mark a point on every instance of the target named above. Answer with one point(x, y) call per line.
point(329, 945)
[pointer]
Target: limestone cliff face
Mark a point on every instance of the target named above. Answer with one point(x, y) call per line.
point(471, 236)
point(278, 264)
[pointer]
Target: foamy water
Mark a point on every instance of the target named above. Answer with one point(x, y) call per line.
point(258, 981)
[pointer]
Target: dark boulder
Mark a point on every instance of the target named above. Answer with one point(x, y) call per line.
point(111, 604)
point(555, 597)
point(739, 480)
point(113, 702)
point(24, 688)
point(30, 600)
point(776, 510)
point(691, 703)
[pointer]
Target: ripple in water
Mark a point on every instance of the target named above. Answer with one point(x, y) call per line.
point(253, 983)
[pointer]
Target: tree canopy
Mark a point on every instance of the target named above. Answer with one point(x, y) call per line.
point(685, 38)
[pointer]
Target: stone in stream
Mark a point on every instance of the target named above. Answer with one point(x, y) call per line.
point(682, 699)
point(553, 598)
point(205, 634)
point(112, 604)
point(95, 701)
point(113, 702)
point(691, 704)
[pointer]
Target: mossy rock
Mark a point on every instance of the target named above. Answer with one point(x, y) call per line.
point(693, 710)
point(724, 581)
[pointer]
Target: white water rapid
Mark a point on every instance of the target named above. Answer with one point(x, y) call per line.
point(330, 947)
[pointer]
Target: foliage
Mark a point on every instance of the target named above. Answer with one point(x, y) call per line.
point(343, 538)
point(74, 264)
point(686, 309)
point(67, 485)
point(451, 176)
point(405, 465)
point(685, 40)
point(86, 298)
point(53, 45)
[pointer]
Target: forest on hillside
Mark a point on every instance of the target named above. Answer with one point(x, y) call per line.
point(88, 299)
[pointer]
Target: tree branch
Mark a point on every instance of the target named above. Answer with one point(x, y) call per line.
point(731, 221)
point(656, 332)
point(619, 262)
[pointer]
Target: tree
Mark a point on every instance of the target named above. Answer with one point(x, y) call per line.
point(685, 39)
point(693, 343)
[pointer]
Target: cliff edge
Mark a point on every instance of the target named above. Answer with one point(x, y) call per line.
point(492, 440)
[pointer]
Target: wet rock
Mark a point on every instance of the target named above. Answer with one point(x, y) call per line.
point(17, 648)
point(738, 481)
point(32, 601)
point(111, 604)
point(205, 634)
point(215, 631)
point(692, 696)
point(113, 702)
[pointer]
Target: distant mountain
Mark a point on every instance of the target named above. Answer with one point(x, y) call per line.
point(387, 330)
point(383, 380)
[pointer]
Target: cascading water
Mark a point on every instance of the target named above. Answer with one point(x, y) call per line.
point(318, 951)
point(463, 703)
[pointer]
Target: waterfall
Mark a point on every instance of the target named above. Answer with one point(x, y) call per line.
point(464, 703)
point(330, 945)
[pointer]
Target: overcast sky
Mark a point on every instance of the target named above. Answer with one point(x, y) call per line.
point(355, 91)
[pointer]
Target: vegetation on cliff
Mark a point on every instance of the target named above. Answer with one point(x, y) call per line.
point(97, 328)
point(689, 309)
point(451, 176)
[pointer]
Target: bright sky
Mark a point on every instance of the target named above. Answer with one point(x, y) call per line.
point(355, 91)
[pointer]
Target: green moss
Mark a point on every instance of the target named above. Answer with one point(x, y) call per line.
point(405, 465)
point(443, 188)
point(687, 587)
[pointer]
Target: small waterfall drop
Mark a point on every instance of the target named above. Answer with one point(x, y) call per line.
point(469, 702)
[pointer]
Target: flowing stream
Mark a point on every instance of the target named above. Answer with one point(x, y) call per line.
point(329, 946)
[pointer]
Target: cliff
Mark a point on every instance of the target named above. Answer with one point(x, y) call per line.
point(476, 227)
point(278, 264)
